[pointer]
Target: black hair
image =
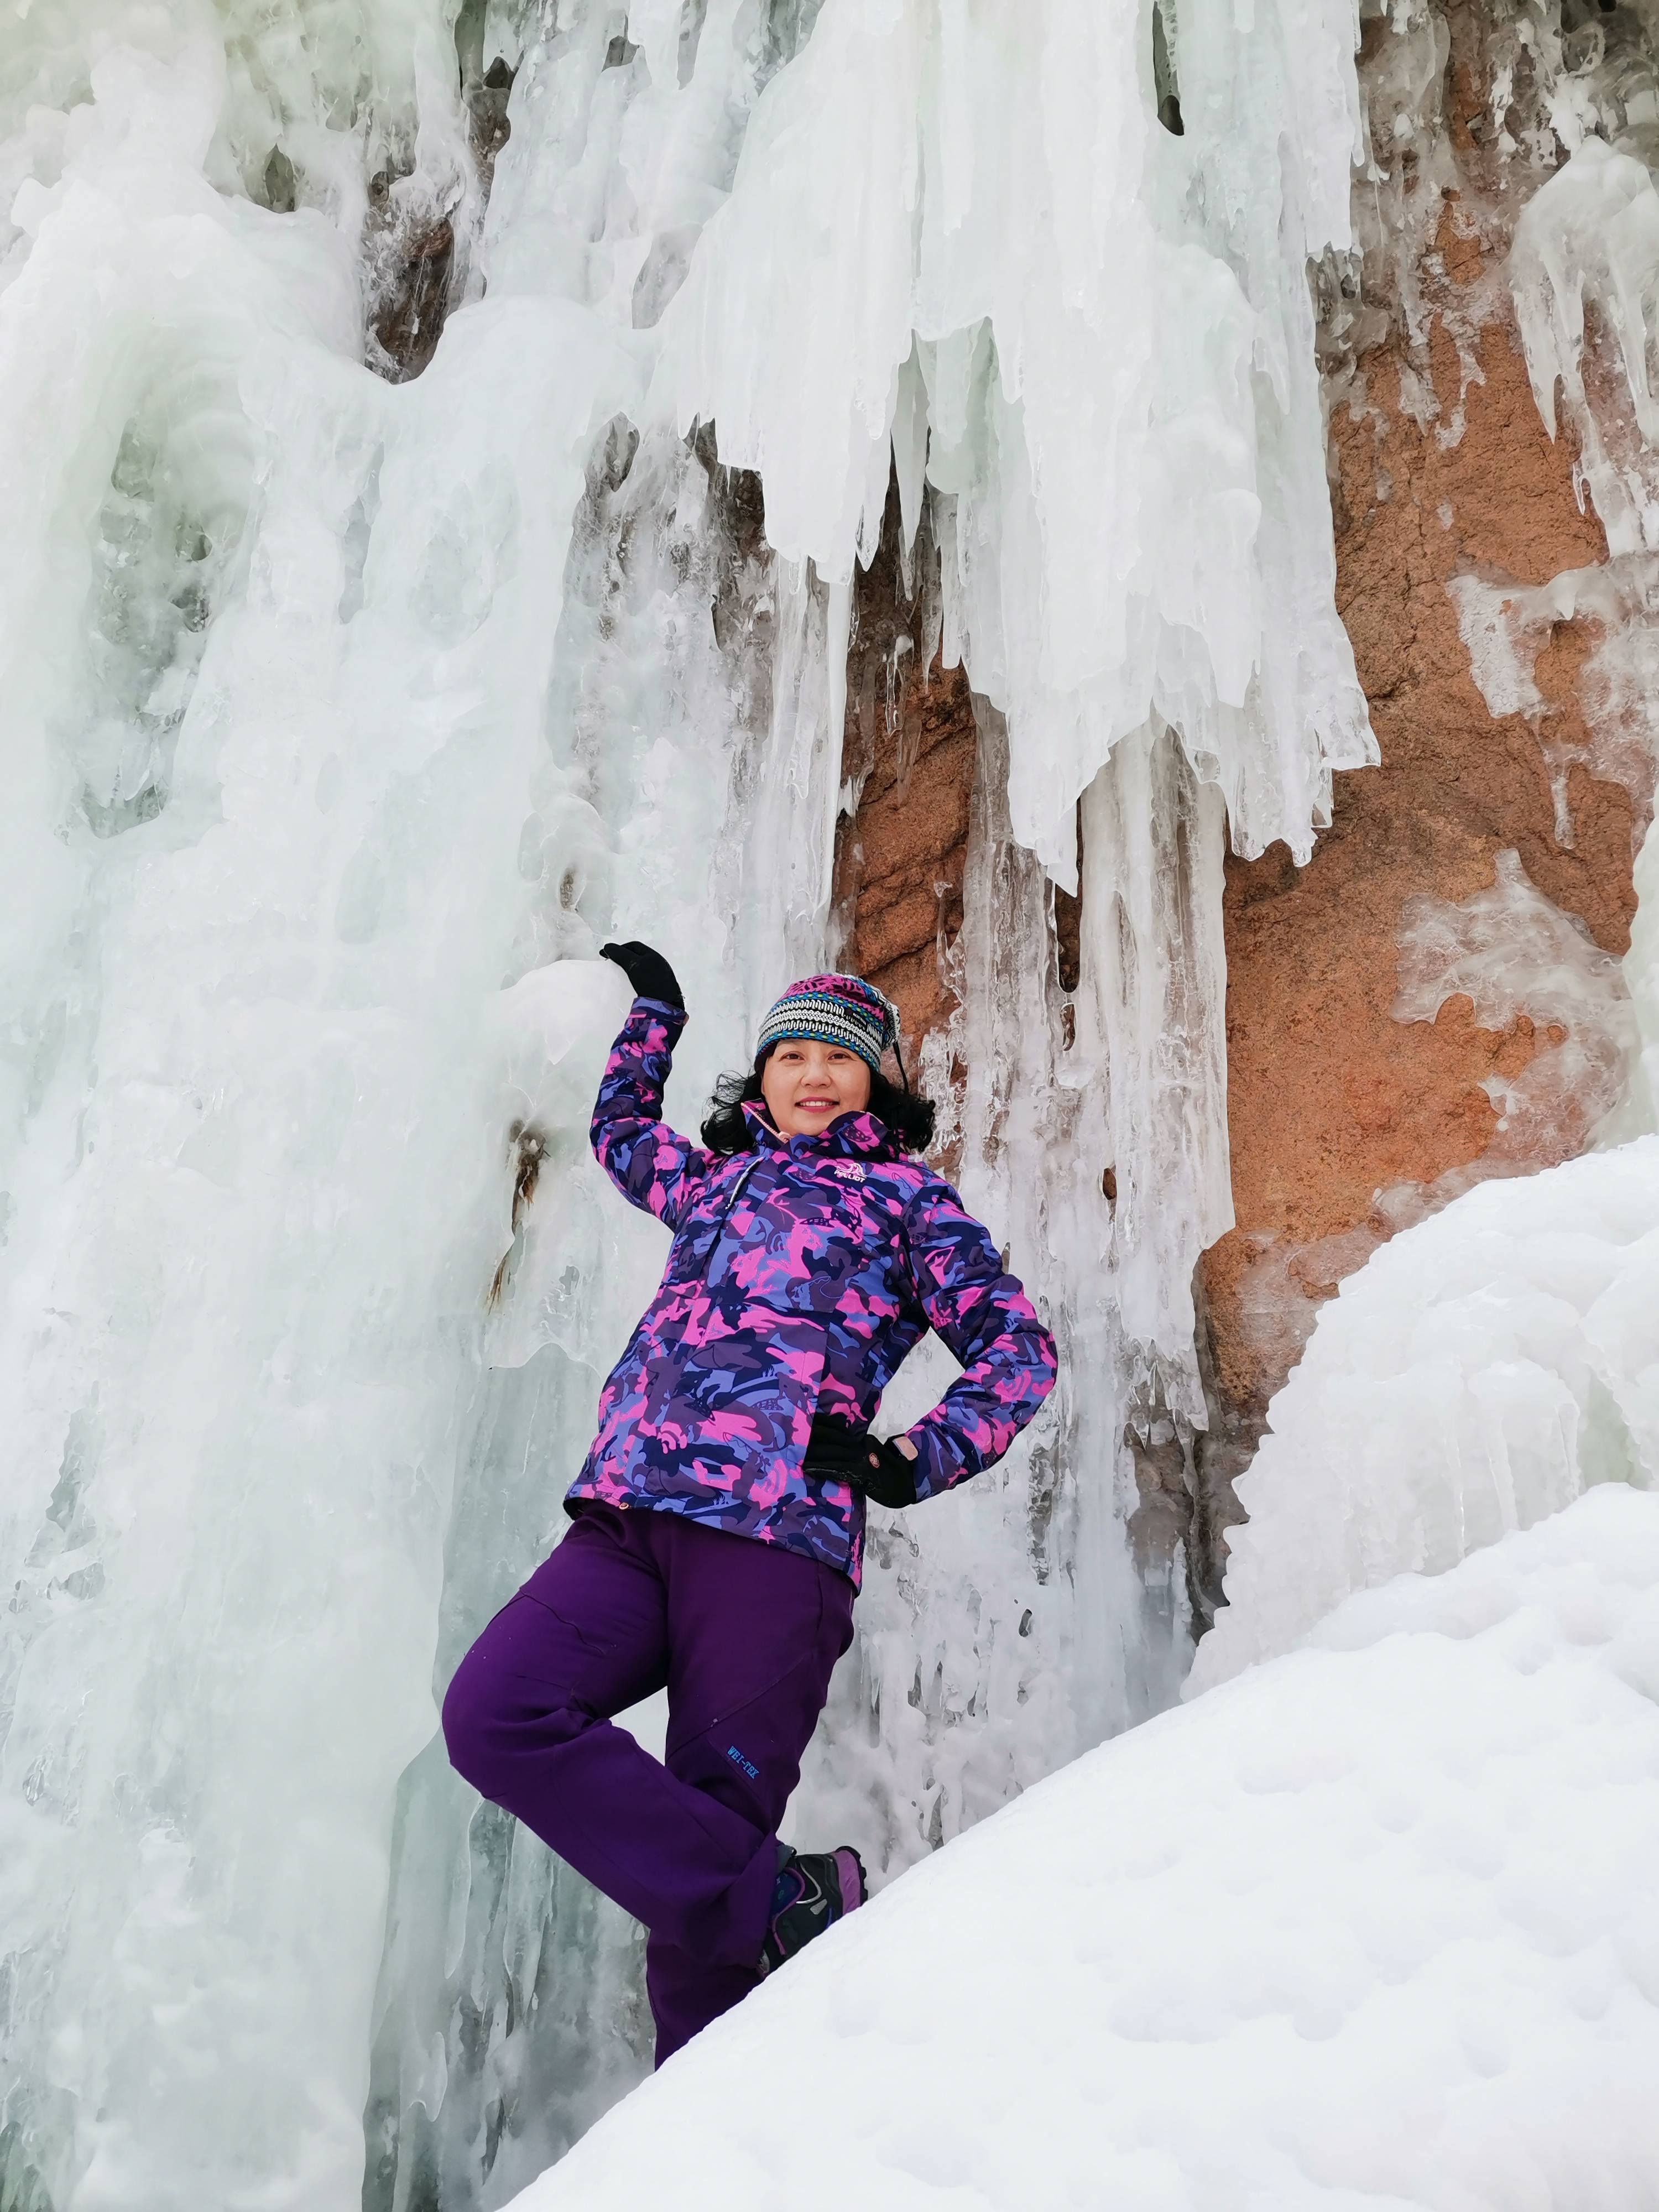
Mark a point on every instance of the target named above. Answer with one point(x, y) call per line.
point(909, 1116)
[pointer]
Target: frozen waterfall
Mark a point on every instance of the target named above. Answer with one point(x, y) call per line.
point(345, 716)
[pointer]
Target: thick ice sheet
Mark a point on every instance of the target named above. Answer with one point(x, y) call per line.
point(1377, 1924)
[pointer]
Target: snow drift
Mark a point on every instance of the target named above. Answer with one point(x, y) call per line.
point(1377, 1923)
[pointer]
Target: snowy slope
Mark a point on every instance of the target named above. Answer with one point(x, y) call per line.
point(1476, 1374)
point(1377, 1922)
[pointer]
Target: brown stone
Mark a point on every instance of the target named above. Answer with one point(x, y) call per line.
point(910, 738)
point(411, 318)
point(1332, 1101)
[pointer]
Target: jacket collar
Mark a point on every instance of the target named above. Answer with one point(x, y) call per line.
point(847, 1135)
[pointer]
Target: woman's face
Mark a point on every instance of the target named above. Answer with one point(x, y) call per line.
point(806, 1084)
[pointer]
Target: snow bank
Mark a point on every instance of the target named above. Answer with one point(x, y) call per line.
point(1490, 1362)
point(1380, 1920)
point(1475, 1375)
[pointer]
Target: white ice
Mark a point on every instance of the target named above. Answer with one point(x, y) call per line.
point(1377, 1924)
point(960, 238)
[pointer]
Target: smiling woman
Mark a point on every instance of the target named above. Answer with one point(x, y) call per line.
point(806, 1084)
point(811, 1252)
point(828, 1030)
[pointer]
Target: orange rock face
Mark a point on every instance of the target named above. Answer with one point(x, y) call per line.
point(1332, 1101)
point(911, 744)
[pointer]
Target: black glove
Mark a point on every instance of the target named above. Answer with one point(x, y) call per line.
point(647, 971)
point(844, 1454)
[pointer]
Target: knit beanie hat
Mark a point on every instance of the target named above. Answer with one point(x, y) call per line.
point(842, 1009)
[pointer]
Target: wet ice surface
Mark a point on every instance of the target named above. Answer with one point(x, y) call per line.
point(1377, 1923)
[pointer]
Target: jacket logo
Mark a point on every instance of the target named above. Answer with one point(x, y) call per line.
point(849, 1169)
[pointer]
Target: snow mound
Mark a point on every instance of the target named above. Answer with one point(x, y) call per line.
point(1476, 1374)
point(1378, 1922)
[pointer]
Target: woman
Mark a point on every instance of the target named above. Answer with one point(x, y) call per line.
point(718, 1523)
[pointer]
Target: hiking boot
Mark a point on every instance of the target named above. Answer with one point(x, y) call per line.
point(814, 1889)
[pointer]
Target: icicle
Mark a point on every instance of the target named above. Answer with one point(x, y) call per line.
point(1142, 520)
point(1154, 991)
point(1591, 233)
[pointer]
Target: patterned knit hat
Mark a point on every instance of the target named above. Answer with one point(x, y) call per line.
point(841, 1009)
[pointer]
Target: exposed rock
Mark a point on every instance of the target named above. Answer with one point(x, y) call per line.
point(909, 754)
point(414, 277)
point(1346, 1121)
point(280, 186)
point(1333, 1101)
point(411, 319)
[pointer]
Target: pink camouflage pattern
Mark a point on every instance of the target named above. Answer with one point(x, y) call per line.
point(800, 1274)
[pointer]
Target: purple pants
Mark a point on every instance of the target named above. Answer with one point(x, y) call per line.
point(744, 1636)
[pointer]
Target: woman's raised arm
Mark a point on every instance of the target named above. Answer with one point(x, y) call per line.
point(649, 1164)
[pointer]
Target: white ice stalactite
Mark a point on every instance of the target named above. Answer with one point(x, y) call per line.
point(1152, 1042)
point(1590, 236)
point(947, 226)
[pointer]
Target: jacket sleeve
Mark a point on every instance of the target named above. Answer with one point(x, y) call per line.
point(984, 1317)
point(653, 1166)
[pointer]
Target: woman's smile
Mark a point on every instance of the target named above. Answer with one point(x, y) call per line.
point(806, 1084)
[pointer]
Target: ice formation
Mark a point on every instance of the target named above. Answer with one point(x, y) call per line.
point(1511, 952)
point(1161, 546)
point(1591, 234)
point(344, 718)
point(1375, 1924)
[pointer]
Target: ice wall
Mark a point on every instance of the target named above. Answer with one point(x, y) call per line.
point(268, 842)
point(278, 642)
point(343, 720)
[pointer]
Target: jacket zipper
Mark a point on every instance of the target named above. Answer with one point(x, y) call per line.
point(725, 1216)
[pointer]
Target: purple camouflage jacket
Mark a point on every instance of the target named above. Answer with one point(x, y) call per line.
point(800, 1276)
